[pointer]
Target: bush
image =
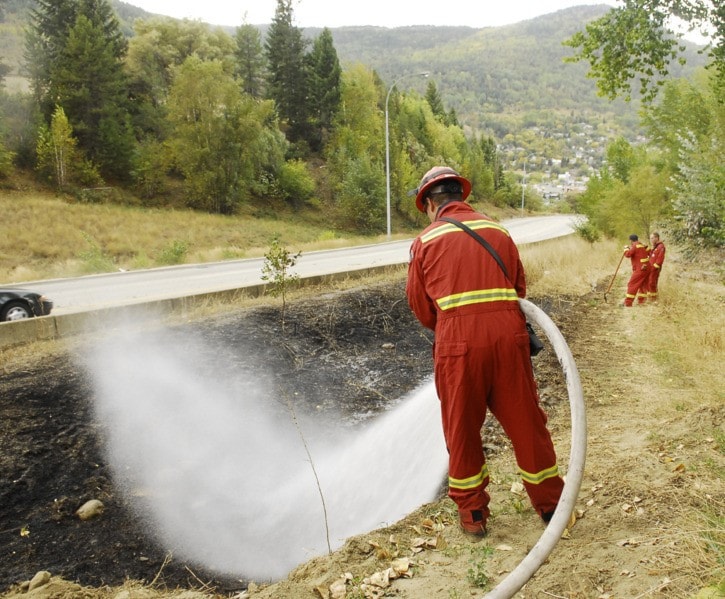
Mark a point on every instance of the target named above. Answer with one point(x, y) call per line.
point(295, 182)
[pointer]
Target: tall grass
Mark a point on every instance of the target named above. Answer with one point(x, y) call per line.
point(571, 265)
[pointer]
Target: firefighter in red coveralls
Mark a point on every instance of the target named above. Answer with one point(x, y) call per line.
point(481, 352)
point(637, 285)
point(656, 258)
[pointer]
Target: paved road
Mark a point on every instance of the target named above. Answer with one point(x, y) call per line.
point(101, 291)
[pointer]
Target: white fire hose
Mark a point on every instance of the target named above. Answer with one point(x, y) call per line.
point(520, 575)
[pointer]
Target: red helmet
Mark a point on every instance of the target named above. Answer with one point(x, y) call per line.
point(434, 176)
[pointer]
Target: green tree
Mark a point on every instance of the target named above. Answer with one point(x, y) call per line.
point(56, 149)
point(89, 83)
point(638, 204)
point(157, 48)
point(287, 73)
point(325, 80)
point(636, 42)
point(621, 159)
point(278, 262)
point(250, 60)
point(218, 140)
point(681, 115)
point(50, 23)
point(355, 153)
point(434, 101)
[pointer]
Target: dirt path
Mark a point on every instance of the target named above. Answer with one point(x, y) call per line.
point(646, 487)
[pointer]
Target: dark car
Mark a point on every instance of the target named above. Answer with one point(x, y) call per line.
point(17, 304)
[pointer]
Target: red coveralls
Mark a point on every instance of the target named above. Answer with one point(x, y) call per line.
point(656, 258)
point(481, 358)
point(639, 255)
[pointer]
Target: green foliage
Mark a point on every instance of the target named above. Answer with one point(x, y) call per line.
point(637, 205)
point(6, 161)
point(149, 169)
point(249, 56)
point(75, 52)
point(325, 81)
point(636, 42)
point(217, 136)
point(94, 258)
point(621, 159)
point(360, 196)
point(56, 150)
point(276, 269)
point(587, 231)
point(295, 182)
point(174, 253)
point(477, 574)
point(700, 189)
point(688, 125)
point(287, 82)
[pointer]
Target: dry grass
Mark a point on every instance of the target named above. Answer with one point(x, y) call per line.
point(570, 265)
point(43, 236)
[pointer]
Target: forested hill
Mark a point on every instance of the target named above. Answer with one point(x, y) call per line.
point(497, 79)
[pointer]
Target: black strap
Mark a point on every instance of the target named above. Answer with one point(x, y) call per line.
point(480, 240)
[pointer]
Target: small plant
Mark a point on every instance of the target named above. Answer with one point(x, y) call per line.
point(477, 574)
point(588, 231)
point(94, 258)
point(276, 269)
point(174, 253)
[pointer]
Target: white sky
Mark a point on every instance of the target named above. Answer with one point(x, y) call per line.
point(384, 13)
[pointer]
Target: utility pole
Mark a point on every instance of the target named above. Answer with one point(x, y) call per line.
point(523, 189)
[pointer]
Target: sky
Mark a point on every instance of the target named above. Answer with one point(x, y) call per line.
point(382, 13)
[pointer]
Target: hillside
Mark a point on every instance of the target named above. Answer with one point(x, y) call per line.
point(508, 82)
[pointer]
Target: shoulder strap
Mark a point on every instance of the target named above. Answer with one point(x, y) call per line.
point(480, 240)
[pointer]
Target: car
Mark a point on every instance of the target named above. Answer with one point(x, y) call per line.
point(18, 304)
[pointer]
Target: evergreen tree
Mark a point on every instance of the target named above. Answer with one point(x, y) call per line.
point(50, 22)
point(75, 50)
point(287, 73)
point(435, 102)
point(89, 84)
point(325, 81)
point(250, 59)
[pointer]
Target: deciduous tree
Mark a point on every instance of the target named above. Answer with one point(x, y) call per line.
point(636, 42)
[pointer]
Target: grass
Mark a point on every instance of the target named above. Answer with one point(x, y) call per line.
point(43, 236)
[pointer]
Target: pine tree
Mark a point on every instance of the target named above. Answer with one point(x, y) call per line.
point(435, 102)
point(89, 83)
point(325, 80)
point(287, 73)
point(75, 51)
point(250, 59)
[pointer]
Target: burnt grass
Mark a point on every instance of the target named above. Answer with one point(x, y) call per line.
point(354, 352)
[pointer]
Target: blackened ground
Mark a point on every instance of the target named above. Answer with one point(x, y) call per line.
point(354, 352)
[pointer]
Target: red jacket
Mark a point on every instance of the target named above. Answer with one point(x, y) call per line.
point(657, 255)
point(639, 255)
point(452, 274)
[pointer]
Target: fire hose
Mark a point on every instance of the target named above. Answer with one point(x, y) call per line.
point(520, 575)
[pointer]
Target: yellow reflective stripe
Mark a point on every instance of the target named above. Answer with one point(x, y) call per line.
point(451, 228)
point(470, 482)
point(539, 477)
point(478, 296)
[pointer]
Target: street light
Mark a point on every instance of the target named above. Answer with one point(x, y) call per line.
point(523, 189)
point(387, 142)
